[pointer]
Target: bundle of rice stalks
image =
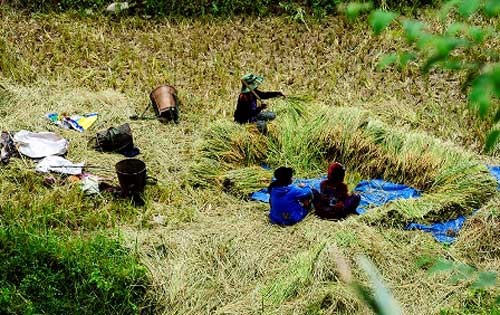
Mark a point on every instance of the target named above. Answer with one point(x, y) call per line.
point(204, 172)
point(225, 146)
point(478, 240)
point(243, 181)
point(239, 182)
point(292, 143)
point(295, 105)
point(454, 182)
point(229, 142)
point(375, 149)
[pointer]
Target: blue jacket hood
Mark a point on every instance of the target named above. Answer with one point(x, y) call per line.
point(280, 191)
point(286, 208)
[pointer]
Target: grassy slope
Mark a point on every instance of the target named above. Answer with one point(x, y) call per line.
point(216, 253)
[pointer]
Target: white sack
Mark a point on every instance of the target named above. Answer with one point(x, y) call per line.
point(37, 145)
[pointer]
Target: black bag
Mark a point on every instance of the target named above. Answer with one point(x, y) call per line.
point(116, 139)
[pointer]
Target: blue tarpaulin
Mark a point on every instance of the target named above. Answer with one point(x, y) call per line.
point(263, 196)
point(495, 171)
point(373, 193)
point(444, 232)
point(377, 192)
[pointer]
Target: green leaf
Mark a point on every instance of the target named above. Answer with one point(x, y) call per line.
point(385, 301)
point(491, 140)
point(478, 34)
point(413, 30)
point(441, 265)
point(496, 118)
point(468, 7)
point(479, 96)
point(480, 100)
point(386, 61)
point(486, 279)
point(445, 45)
point(494, 75)
point(466, 270)
point(405, 58)
point(455, 28)
point(492, 8)
point(446, 8)
point(452, 64)
point(380, 20)
point(425, 40)
point(354, 9)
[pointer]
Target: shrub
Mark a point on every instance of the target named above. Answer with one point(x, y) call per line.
point(54, 274)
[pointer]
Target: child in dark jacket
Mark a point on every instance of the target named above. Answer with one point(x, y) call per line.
point(287, 199)
point(333, 201)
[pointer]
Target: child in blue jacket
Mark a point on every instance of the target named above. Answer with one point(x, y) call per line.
point(287, 199)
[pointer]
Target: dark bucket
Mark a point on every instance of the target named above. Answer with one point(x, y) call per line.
point(131, 176)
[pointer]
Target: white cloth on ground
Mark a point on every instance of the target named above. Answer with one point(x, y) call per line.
point(37, 145)
point(58, 164)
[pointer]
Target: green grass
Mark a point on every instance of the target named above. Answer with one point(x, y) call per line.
point(62, 274)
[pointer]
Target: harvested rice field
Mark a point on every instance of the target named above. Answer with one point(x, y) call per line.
point(199, 245)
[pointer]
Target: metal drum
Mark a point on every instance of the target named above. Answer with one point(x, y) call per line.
point(164, 100)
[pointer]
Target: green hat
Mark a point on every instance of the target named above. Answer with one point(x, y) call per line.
point(252, 82)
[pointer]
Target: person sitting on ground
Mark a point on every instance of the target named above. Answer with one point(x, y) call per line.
point(288, 201)
point(247, 110)
point(333, 201)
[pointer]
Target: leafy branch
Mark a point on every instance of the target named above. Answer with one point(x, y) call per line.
point(461, 46)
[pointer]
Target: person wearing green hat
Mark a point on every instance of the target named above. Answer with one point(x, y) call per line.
point(247, 110)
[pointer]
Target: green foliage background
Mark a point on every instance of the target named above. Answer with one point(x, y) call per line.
point(48, 273)
point(211, 7)
point(461, 46)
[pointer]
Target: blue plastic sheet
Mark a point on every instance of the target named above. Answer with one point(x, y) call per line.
point(495, 171)
point(373, 193)
point(263, 195)
point(377, 192)
point(444, 232)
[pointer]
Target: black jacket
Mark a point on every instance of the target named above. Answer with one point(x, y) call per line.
point(247, 109)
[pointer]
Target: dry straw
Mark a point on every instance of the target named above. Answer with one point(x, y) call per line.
point(453, 181)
